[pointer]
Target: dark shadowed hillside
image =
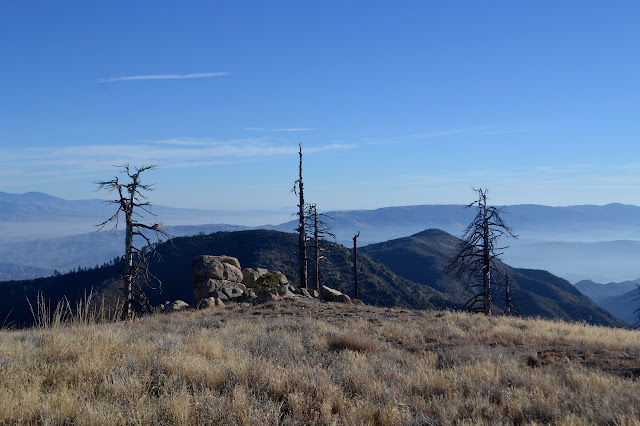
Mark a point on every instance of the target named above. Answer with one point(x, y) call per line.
point(407, 273)
point(624, 306)
point(273, 250)
point(14, 308)
point(423, 256)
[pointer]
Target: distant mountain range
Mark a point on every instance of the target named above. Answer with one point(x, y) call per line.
point(600, 292)
point(577, 242)
point(36, 215)
point(13, 271)
point(587, 223)
point(386, 274)
point(621, 299)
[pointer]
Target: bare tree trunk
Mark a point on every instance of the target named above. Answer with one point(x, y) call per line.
point(316, 265)
point(302, 237)
point(486, 260)
point(355, 264)
point(507, 296)
point(127, 273)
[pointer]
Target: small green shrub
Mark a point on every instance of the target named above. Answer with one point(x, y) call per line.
point(268, 281)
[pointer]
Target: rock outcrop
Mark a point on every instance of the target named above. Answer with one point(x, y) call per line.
point(178, 305)
point(217, 276)
point(249, 277)
point(210, 302)
point(220, 279)
point(333, 295)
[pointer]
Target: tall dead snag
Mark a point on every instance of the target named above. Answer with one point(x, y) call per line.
point(477, 255)
point(636, 299)
point(320, 229)
point(355, 263)
point(131, 202)
point(510, 303)
point(298, 189)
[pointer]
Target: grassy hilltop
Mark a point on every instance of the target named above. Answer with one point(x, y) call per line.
point(306, 362)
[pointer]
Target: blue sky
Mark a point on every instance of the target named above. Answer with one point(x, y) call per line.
point(395, 103)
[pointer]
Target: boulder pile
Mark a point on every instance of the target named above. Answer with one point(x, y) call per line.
point(219, 277)
point(218, 280)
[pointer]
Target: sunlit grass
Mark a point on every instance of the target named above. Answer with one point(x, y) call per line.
point(312, 363)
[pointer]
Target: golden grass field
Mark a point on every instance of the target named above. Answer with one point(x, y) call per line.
point(305, 362)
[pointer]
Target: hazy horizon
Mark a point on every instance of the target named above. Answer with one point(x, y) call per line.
point(293, 207)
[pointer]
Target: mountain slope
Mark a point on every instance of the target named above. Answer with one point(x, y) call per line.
point(599, 292)
point(620, 299)
point(423, 256)
point(84, 250)
point(254, 248)
point(13, 271)
point(624, 306)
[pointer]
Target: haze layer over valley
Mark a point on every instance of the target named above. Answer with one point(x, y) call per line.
point(601, 243)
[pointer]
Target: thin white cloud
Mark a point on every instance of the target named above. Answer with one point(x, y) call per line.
point(292, 129)
point(204, 141)
point(43, 164)
point(633, 167)
point(576, 168)
point(329, 147)
point(444, 133)
point(163, 77)
point(479, 130)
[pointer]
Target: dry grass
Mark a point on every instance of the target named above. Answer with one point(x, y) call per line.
point(303, 362)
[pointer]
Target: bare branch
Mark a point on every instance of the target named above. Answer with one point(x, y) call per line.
point(131, 199)
point(477, 256)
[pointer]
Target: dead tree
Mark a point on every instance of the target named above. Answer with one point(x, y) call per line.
point(636, 299)
point(298, 189)
point(320, 229)
point(508, 301)
point(355, 264)
point(131, 203)
point(477, 256)
point(511, 306)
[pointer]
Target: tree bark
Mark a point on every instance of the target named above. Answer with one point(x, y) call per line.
point(302, 235)
point(316, 264)
point(486, 260)
point(355, 265)
point(507, 296)
point(127, 273)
